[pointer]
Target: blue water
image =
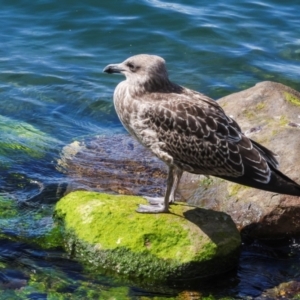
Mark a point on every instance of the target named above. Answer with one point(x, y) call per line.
point(53, 90)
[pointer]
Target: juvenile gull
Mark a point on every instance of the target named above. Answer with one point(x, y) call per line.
point(189, 132)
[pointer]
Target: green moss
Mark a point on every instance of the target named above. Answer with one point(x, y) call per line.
point(14, 220)
point(52, 239)
point(97, 219)
point(249, 114)
point(106, 230)
point(206, 182)
point(234, 189)
point(56, 284)
point(292, 99)
point(283, 121)
point(120, 293)
point(260, 106)
point(2, 265)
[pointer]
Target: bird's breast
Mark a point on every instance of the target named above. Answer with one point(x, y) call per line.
point(131, 112)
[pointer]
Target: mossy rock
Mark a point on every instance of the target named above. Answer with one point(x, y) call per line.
point(105, 232)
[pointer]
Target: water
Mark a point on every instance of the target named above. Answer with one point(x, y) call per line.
point(52, 91)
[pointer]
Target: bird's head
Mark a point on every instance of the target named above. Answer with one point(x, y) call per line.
point(142, 69)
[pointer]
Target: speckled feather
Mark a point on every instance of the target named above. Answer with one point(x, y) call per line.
point(191, 131)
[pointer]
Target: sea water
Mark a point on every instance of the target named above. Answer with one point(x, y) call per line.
point(53, 91)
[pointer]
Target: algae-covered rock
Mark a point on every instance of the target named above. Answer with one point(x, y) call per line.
point(7, 208)
point(105, 232)
point(19, 140)
point(32, 227)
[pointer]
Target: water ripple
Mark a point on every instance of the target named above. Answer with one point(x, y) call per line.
point(51, 83)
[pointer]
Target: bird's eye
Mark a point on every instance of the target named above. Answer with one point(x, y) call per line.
point(130, 66)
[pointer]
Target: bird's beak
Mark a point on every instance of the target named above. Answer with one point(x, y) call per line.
point(115, 68)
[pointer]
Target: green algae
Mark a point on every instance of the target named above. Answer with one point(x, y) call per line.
point(161, 244)
point(93, 219)
point(249, 114)
point(51, 239)
point(20, 138)
point(207, 182)
point(283, 121)
point(292, 99)
point(24, 225)
point(234, 189)
point(54, 284)
point(106, 230)
point(8, 208)
point(260, 106)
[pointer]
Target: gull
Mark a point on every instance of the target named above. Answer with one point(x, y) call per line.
point(189, 132)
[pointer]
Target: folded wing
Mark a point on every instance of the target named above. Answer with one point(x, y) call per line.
point(202, 139)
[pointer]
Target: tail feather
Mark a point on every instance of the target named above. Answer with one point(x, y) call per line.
point(269, 155)
point(279, 183)
point(284, 183)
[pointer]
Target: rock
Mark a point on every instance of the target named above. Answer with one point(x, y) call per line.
point(104, 232)
point(116, 164)
point(34, 225)
point(268, 113)
point(49, 193)
point(285, 290)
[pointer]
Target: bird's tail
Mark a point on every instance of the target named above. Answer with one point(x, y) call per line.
point(279, 183)
point(284, 184)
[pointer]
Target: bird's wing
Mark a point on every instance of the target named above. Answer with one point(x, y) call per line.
point(199, 136)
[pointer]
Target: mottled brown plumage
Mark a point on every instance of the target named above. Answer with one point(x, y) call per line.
point(189, 131)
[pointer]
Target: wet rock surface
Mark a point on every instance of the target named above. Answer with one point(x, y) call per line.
point(116, 164)
point(286, 290)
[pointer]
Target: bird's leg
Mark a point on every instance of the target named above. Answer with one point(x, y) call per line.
point(158, 206)
point(177, 173)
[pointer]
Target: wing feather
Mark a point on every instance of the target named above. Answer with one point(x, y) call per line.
point(197, 134)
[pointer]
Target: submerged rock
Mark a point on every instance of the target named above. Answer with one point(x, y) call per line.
point(29, 224)
point(21, 141)
point(105, 232)
point(285, 290)
point(268, 113)
point(116, 164)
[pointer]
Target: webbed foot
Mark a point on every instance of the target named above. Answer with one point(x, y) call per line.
point(155, 200)
point(152, 209)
